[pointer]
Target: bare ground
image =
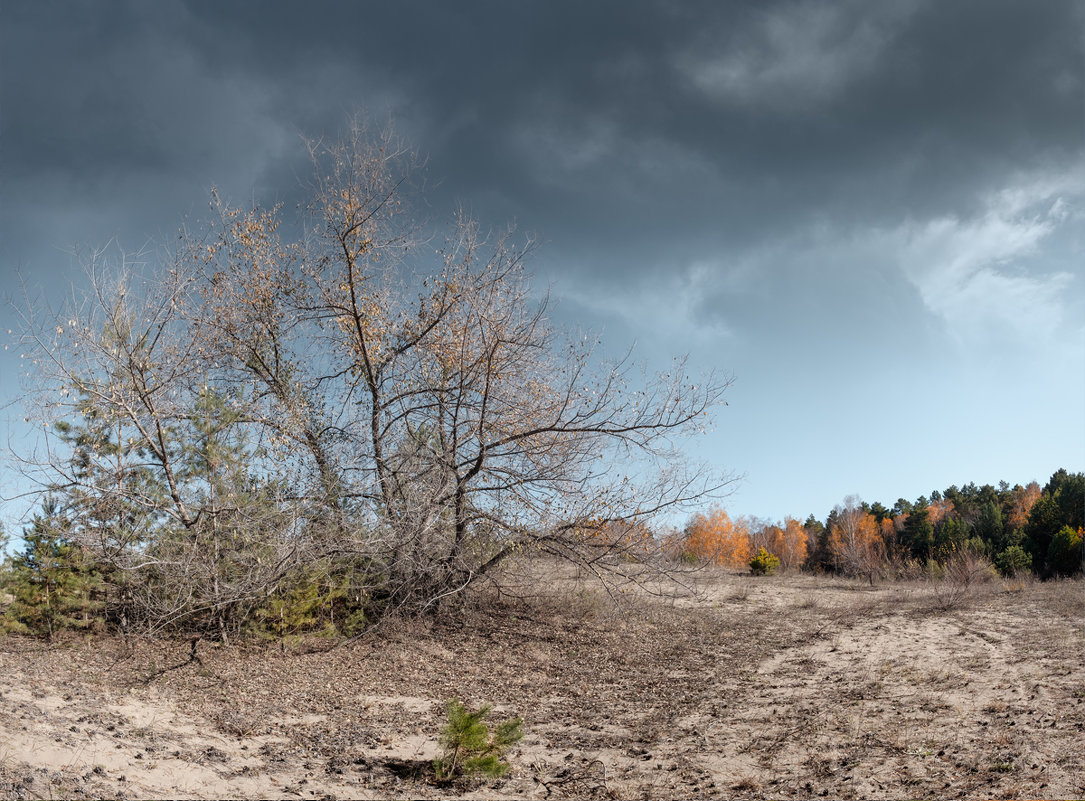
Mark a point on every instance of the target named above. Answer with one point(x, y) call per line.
point(764, 688)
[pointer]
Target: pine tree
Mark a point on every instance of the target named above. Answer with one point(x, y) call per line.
point(1044, 521)
point(113, 499)
point(1064, 556)
point(232, 566)
point(989, 526)
point(951, 534)
point(52, 580)
point(918, 531)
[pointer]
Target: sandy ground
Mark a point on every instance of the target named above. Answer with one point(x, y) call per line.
point(775, 687)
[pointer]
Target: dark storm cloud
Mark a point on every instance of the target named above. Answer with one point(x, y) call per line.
point(744, 117)
point(110, 126)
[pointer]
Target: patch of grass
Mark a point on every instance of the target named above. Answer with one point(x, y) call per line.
point(1063, 597)
point(740, 593)
point(747, 785)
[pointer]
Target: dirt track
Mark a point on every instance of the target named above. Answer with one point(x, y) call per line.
point(780, 687)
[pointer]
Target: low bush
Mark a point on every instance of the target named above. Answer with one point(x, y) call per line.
point(318, 600)
point(1013, 560)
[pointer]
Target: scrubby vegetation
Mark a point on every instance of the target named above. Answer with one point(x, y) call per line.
point(52, 583)
point(958, 538)
point(285, 434)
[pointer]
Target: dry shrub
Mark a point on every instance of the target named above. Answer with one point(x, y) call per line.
point(901, 567)
point(252, 405)
point(739, 593)
point(970, 567)
point(1022, 582)
point(748, 784)
point(963, 572)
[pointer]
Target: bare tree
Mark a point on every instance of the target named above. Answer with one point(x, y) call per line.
point(417, 416)
point(855, 539)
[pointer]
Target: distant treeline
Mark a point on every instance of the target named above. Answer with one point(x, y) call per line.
point(1020, 529)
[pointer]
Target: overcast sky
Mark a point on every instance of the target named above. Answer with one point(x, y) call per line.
point(871, 214)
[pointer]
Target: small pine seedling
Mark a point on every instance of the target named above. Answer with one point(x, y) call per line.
point(471, 750)
point(764, 563)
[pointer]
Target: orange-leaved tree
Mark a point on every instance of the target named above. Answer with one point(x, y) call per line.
point(1023, 499)
point(789, 543)
point(940, 510)
point(714, 537)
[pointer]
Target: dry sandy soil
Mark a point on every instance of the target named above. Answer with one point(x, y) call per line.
point(764, 688)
